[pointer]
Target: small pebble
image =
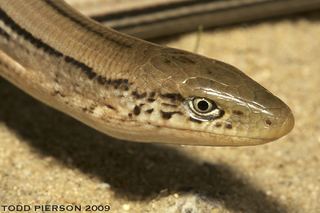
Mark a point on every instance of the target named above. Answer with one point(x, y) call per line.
point(104, 186)
point(126, 207)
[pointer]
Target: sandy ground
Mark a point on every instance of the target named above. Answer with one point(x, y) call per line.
point(49, 158)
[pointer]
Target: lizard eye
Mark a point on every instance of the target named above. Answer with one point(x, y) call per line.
point(203, 109)
point(202, 105)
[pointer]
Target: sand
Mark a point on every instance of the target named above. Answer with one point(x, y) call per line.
point(47, 157)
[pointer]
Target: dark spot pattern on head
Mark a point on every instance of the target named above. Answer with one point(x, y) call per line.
point(168, 115)
point(173, 96)
point(221, 114)
point(237, 112)
point(111, 107)
point(169, 105)
point(149, 111)
point(137, 95)
point(150, 100)
point(136, 110)
point(228, 125)
point(152, 94)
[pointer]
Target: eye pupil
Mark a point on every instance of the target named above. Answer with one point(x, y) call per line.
point(203, 109)
point(203, 105)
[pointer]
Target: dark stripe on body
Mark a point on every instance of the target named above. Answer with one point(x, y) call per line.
point(39, 44)
point(28, 36)
point(62, 12)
